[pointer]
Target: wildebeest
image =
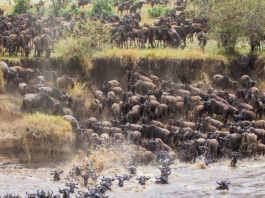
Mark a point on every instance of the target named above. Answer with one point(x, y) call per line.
point(39, 102)
point(224, 82)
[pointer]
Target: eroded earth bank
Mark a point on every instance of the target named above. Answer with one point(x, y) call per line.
point(176, 125)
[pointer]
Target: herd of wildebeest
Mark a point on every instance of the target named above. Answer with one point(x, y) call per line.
point(161, 117)
point(155, 114)
point(24, 33)
point(172, 30)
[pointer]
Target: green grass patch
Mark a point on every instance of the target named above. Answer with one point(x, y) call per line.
point(159, 10)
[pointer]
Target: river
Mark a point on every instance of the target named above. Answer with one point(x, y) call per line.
point(186, 180)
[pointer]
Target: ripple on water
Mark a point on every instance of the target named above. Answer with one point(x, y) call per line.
point(187, 180)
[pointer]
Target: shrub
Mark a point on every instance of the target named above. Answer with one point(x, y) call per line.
point(21, 6)
point(158, 11)
point(85, 40)
point(72, 10)
point(58, 5)
point(102, 8)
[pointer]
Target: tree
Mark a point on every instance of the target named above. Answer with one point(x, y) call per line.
point(57, 5)
point(102, 8)
point(20, 6)
point(231, 19)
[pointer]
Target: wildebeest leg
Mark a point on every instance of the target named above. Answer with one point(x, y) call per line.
point(184, 40)
point(151, 41)
point(1, 49)
point(226, 116)
point(10, 51)
point(48, 53)
point(134, 42)
point(39, 53)
point(191, 38)
point(157, 42)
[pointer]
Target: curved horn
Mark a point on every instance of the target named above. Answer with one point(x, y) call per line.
point(218, 182)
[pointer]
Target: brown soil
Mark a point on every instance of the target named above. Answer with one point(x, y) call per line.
point(104, 69)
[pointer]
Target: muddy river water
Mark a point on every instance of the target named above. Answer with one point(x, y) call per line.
point(186, 180)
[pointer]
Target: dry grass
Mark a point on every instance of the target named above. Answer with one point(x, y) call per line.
point(45, 134)
point(82, 97)
point(261, 85)
point(10, 101)
point(144, 15)
point(78, 90)
point(192, 51)
point(6, 7)
point(87, 7)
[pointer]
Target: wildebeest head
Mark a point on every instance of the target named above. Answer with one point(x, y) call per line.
point(65, 192)
point(223, 185)
point(120, 179)
point(142, 179)
point(162, 180)
point(72, 187)
point(252, 83)
point(33, 195)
